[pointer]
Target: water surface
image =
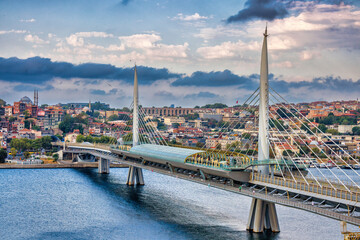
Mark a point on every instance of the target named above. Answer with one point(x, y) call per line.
point(82, 204)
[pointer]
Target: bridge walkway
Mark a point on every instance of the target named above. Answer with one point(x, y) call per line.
point(261, 187)
point(340, 195)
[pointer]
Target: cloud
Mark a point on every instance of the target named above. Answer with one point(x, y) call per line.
point(113, 91)
point(39, 70)
point(202, 95)
point(114, 47)
point(215, 79)
point(97, 92)
point(260, 9)
point(12, 31)
point(194, 17)
point(77, 39)
point(140, 40)
point(164, 94)
point(125, 2)
point(28, 20)
point(227, 49)
point(34, 39)
point(147, 44)
point(320, 83)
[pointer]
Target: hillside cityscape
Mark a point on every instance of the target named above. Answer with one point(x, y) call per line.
point(28, 128)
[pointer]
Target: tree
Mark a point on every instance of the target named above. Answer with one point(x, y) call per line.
point(246, 135)
point(27, 124)
point(128, 138)
point(80, 138)
point(2, 102)
point(125, 109)
point(12, 119)
point(67, 124)
point(13, 152)
point(356, 130)
point(36, 128)
point(61, 138)
point(26, 155)
point(113, 118)
point(322, 127)
point(282, 113)
point(55, 156)
point(26, 114)
point(306, 128)
point(304, 150)
point(46, 142)
point(278, 124)
point(316, 151)
point(287, 153)
point(333, 131)
point(215, 105)
point(218, 146)
point(199, 144)
point(3, 154)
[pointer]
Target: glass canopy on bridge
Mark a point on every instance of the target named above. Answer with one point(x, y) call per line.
point(208, 158)
point(164, 152)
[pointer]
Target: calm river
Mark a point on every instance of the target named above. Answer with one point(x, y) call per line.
point(81, 204)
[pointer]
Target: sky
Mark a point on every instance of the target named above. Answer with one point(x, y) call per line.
point(188, 53)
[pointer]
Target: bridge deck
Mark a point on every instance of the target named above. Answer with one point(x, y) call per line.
point(339, 205)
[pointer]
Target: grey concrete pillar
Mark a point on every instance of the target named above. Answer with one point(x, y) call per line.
point(135, 176)
point(104, 166)
point(262, 216)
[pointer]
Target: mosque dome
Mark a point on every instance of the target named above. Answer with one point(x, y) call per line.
point(26, 100)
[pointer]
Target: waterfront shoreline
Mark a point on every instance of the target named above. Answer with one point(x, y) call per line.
point(49, 166)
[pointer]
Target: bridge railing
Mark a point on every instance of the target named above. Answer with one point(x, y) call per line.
point(93, 145)
point(121, 147)
point(308, 187)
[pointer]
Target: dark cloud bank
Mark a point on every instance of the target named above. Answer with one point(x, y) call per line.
point(40, 71)
point(275, 9)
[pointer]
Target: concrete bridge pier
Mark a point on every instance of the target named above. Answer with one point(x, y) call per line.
point(104, 166)
point(135, 176)
point(262, 216)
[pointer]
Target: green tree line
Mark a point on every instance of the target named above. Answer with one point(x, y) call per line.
point(25, 144)
point(103, 139)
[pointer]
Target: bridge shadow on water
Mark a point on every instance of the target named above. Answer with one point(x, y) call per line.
point(192, 220)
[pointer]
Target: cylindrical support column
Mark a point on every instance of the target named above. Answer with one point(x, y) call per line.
point(104, 166)
point(273, 218)
point(259, 216)
point(135, 176)
point(262, 216)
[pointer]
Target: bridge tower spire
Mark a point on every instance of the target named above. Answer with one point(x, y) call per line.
point(263, 142)
point(135, 174)
point(135, 111)
point(262, 213)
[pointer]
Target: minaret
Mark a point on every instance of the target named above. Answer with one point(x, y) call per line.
point(135, 111)
point(36, 97)
point(263, 142)
point(89, 105)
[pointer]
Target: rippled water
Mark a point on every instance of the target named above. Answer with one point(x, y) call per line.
point(82, 204)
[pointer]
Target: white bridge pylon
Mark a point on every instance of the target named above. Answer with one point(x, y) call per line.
point(135, 175)
point(262, 213)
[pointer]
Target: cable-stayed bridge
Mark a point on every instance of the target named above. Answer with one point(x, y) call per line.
point(289, 166)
